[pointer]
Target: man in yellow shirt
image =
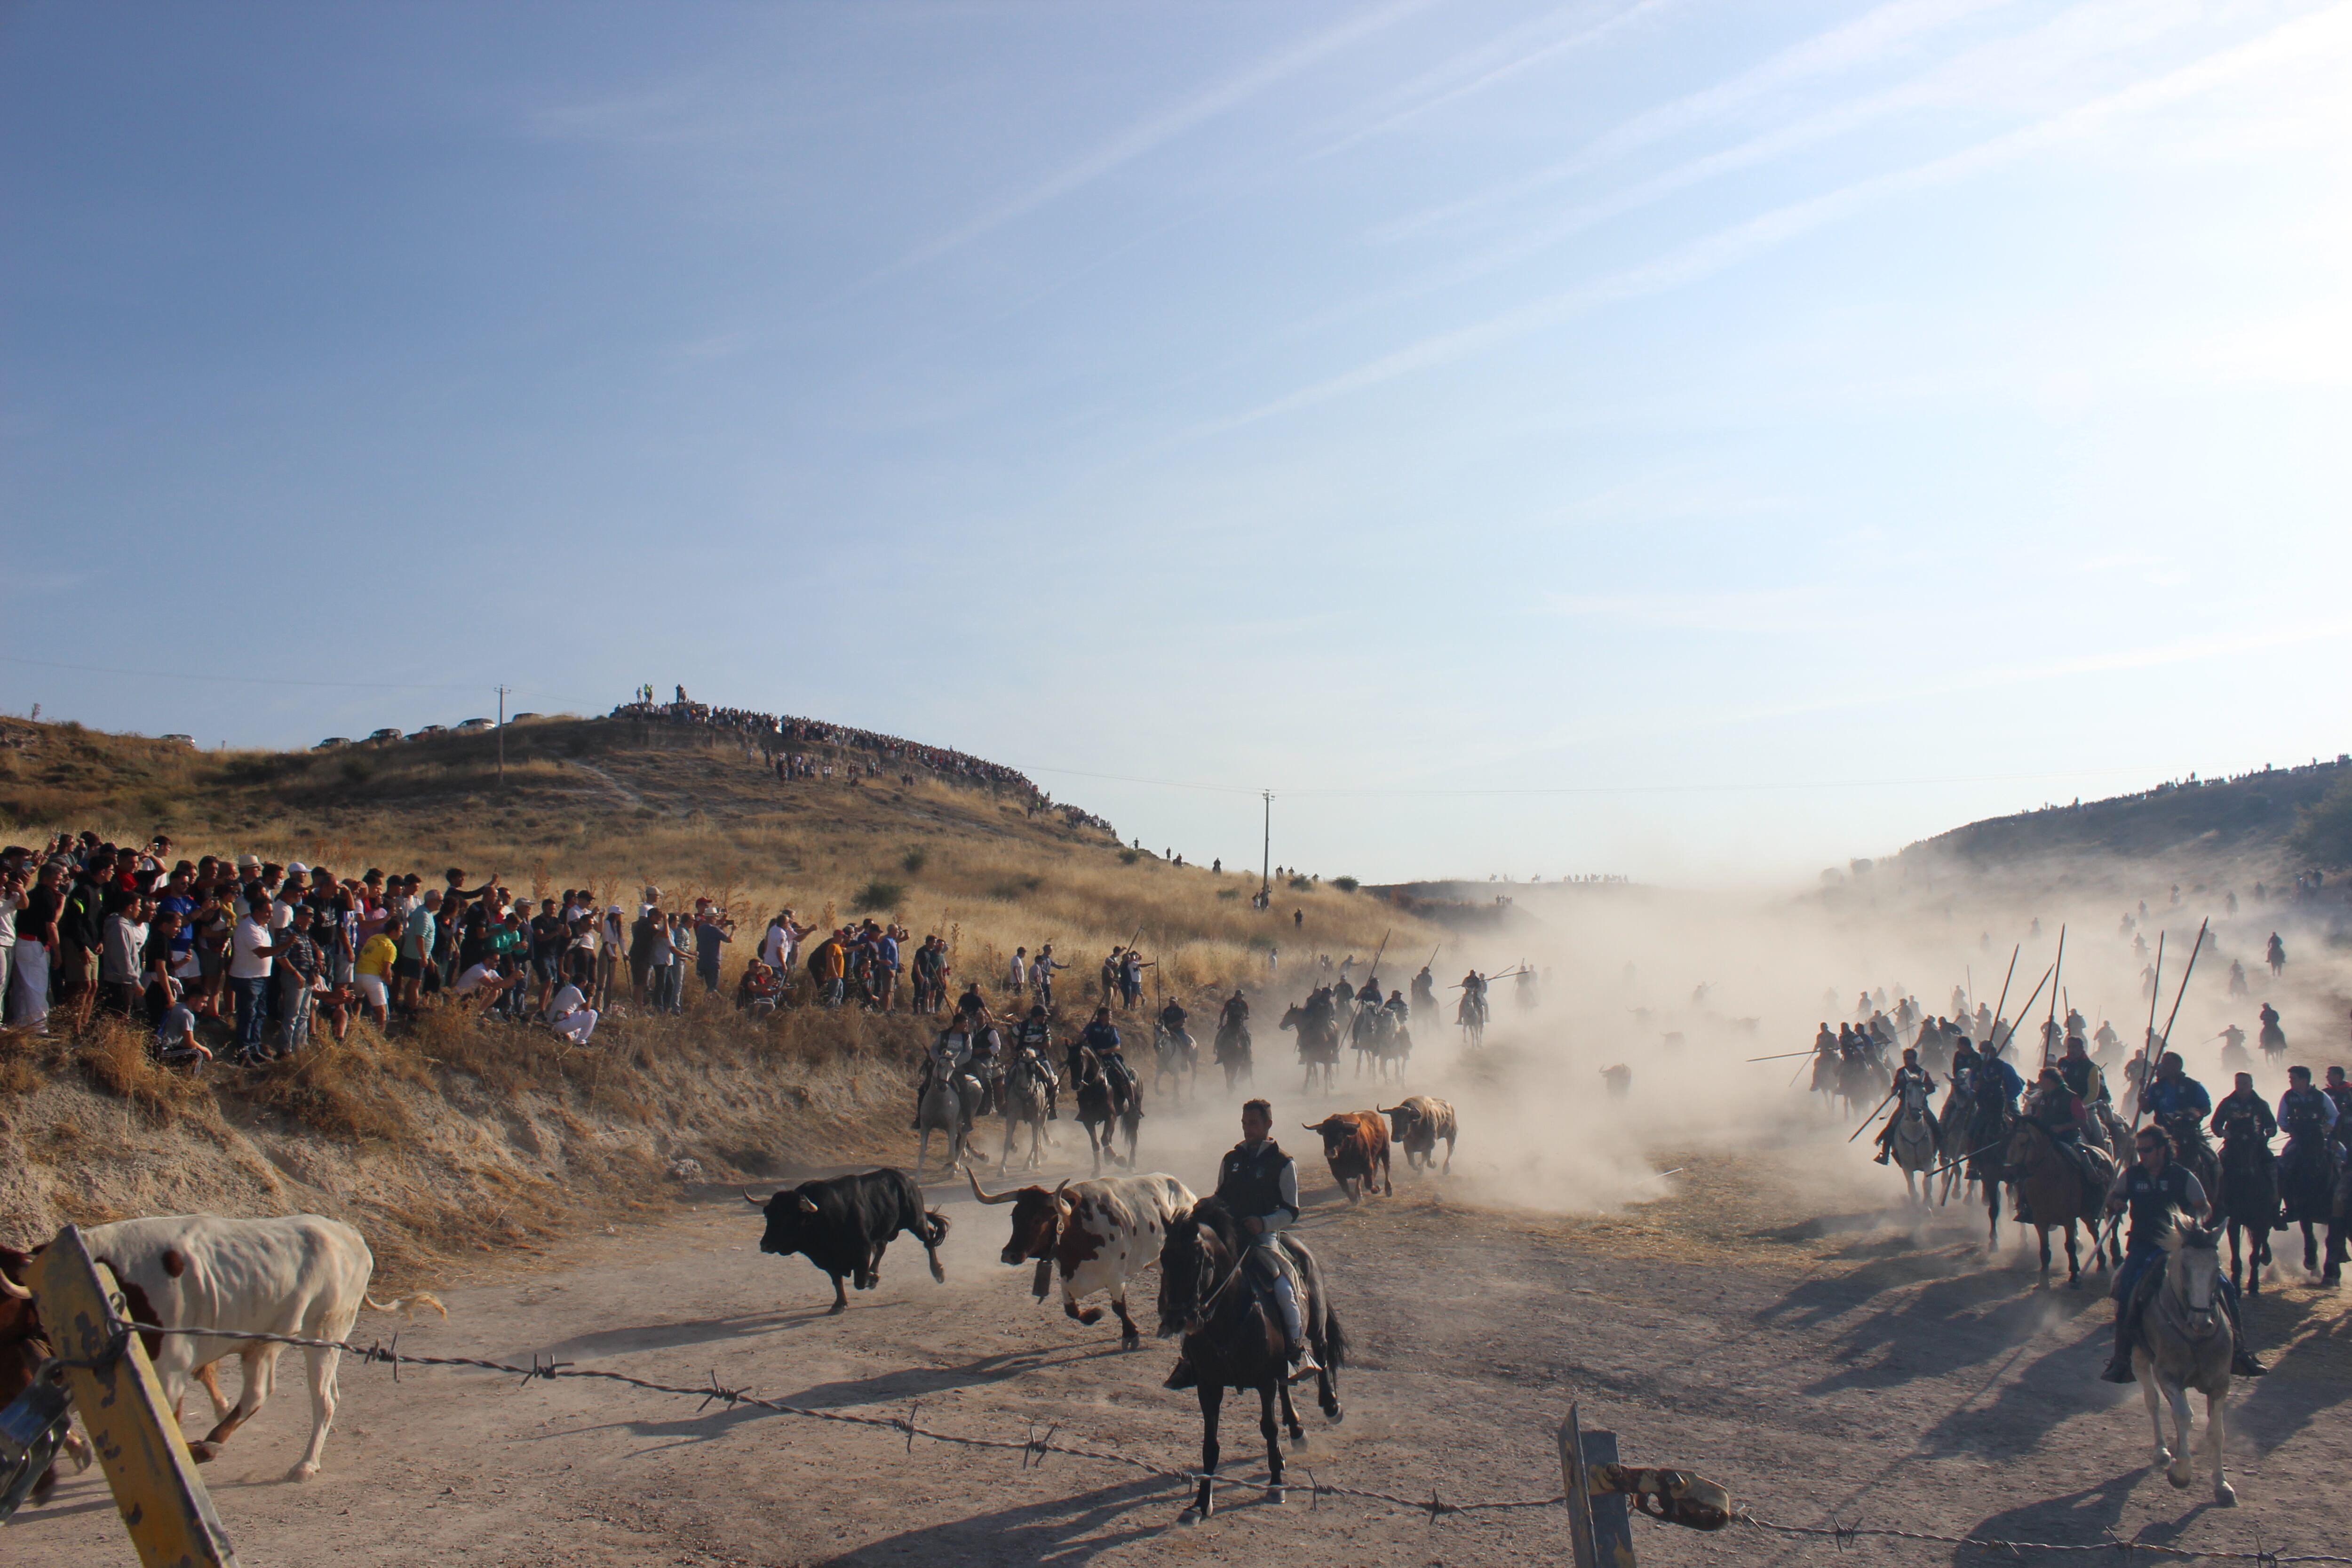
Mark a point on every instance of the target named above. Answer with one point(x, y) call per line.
point(372, 970)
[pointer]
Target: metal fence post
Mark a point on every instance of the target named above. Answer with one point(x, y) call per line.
point(147, 1463)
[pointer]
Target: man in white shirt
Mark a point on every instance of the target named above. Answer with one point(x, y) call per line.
point(571, 1017)
point(249, 969)
point(1015, 972)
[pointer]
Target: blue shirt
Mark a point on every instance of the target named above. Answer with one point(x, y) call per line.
point(2169, 1096)
point(1994, 1073)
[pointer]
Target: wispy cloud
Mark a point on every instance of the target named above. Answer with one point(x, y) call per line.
point(1518, 50)
point(1158, 129)
point(1869, 38)
point(2292, 41)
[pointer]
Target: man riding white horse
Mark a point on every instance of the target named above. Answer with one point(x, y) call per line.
point(1905, 1076)
point(2160, 1194)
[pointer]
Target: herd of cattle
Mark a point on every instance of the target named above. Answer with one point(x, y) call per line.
point(307, 1276)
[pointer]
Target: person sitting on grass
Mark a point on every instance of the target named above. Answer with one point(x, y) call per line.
point(483, 984)
point(175, 1038)
point(570, 1015)
point(759, 991)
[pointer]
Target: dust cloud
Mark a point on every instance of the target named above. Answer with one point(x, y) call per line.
point(1683, 987)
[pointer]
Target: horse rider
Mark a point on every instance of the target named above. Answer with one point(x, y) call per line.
point(2082, 1074)
point(1965, 1062)
point(1368, 994)
point(2108, 1042)
point(987, 1060)
point(1824, 1043)
point(1398, 1007)
point(2273, 1038)
point(2234, 1044)
point(949, 1058)
point(1259, 1184)
point(2275, 954)
point(972, 1005)
point(1172, 1018)
point(1034, 1037)
point(1101, 1037)
point(2173, 1092)
point(1995, 1083)
point(1235, 1014)
point(2340, 1091)
point(1424, 991)
point(2057, 1110)
point(2243, 1103)
point(2308, 1117)
point(2160, 1193)
point(1908, 1074)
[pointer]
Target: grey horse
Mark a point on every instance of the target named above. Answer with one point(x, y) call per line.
point(949, 1106)
point(2185, 1341)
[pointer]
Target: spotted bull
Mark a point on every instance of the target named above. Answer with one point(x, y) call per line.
point(1419, 1123)
point(1355, 1145)
point(843, 1226)
point(1096, 1234)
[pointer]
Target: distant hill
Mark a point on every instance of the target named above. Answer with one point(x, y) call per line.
point(2248, 819)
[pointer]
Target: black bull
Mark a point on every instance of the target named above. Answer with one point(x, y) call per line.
point(842, 1225)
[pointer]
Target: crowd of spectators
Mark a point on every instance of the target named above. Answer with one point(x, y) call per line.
point(778, 738)
point(240, 958)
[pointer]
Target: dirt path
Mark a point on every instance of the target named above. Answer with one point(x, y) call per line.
point(1812, 1362)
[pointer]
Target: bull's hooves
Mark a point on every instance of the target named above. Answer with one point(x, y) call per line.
point(205, 1452)
point(302, 1472)
point(2225, 1496)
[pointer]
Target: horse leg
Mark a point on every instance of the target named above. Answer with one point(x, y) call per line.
point(922, 1152)
point(2224, 1495)
point(1213, 1395)
point(2310, 1250)
point(1290, 1415)
point(2074, 1259)
point(2146, 1370)
point(1272, 1435)
point(2042, 1233)
point(2184, 1468)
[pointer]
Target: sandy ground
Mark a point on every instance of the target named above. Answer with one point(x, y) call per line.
point(1756, 1324)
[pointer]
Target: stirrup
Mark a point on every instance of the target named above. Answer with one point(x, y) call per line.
point(1304, 1365)
point(2243, 1365)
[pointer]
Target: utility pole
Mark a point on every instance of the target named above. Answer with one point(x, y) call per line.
point(1266, 876)
point(502, 737)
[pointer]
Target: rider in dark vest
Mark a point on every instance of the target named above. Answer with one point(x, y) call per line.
point(1101, 1037)
point(2082, 1074)
point(1909, 1073)
point(2243, 1103)
point(1172, 1017)
point(2158, 1193)
point(1259, 1184)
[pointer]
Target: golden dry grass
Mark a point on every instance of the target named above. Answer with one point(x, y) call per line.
point(613, 805)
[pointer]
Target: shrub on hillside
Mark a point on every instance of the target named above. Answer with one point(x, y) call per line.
point(1346, 884)
point(878, 894)
point(2323, 833)
point(913, 861)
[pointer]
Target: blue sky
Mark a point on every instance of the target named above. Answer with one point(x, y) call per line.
point(1672, 438)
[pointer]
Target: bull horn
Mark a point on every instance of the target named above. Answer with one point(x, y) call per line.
point(808, 1206)
point(1391, 1110)
point(1061, 1202)
point(10, 1288)
point(755, 1203)
point(983, 1197)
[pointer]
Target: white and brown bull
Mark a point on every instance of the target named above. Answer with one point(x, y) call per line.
point(1417, 1125)
point(303, 1274)
point(1096, 1234)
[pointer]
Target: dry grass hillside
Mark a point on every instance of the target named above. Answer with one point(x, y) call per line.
point(455, 1137)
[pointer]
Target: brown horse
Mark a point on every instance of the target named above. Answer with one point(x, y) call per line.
point(2053, 1192)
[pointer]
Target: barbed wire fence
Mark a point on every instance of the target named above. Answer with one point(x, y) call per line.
point(1035, 1447)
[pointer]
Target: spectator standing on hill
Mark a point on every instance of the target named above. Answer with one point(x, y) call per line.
point(121, 948)
point(416, 943)
point(1041, 974)
point(37, 938)
point(372, 972)
point(712, 930)
point(550, 938)
point(301, 971)
point(1016, 973)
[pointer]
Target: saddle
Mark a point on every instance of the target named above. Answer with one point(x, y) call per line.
point(2142, 1294)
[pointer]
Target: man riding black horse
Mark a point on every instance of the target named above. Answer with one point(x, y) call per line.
point(1101, 1038)
point(1259, 1184)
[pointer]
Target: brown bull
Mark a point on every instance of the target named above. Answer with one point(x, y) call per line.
point(1355, 1145)
point(1420, 1122)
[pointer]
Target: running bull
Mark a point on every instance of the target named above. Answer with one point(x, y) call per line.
point(1097, 1235)
point(843, 1226)
point(1355, 1145)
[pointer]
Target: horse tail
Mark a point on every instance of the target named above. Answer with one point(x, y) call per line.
point(1335, 1341)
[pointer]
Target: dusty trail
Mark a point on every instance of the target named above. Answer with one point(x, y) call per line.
point(1810, 1359)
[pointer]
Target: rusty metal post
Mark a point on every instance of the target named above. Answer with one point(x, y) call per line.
point(1599, 1528)
point(164, 1506)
